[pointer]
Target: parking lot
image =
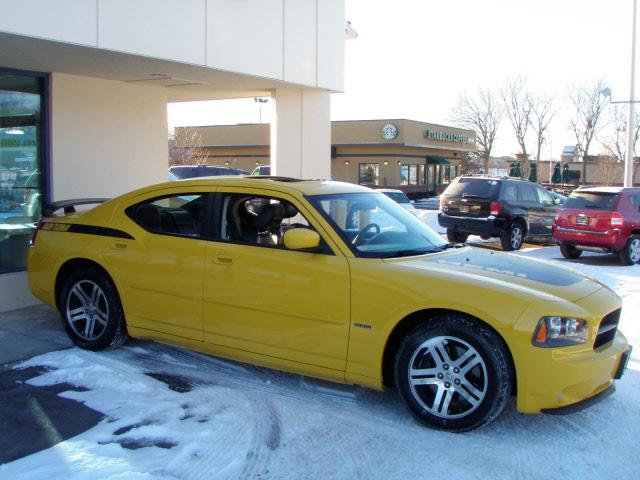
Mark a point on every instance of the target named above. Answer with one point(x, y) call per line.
point(153, 411)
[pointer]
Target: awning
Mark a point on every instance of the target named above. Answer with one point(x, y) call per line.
point(433, 160)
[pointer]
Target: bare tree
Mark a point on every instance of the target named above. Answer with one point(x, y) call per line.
point(615, 141)
point(604, 168)
point(185, 147)
point(481, 113)
point(588, 106)
point(517, 107)
point(542, 113)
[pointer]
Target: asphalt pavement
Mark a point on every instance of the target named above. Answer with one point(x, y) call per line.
point(34, 418)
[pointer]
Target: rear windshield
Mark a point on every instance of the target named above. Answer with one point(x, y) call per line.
point(474, 187)
point(592, 201)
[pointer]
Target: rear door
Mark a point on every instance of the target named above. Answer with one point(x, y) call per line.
point(528, 200)
point(547, 210)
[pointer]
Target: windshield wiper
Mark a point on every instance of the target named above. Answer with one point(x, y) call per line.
point(447, 246)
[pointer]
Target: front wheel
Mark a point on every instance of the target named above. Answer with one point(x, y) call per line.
point(454, 373)
point(569, 251)
point(630, 254)
point(91, 310)
point(512, 238)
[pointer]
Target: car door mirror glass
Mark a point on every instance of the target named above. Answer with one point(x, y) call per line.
point(301, 239)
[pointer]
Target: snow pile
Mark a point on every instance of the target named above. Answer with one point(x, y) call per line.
point(176, 414)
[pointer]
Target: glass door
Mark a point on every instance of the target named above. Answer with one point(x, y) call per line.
point(20, 165)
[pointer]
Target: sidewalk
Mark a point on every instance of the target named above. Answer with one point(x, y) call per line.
point(30, 331)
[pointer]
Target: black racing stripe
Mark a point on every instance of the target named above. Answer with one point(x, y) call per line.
point(102, 231)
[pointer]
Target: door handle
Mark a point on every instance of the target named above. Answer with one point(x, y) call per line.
point(119, 246)
point(223, 259)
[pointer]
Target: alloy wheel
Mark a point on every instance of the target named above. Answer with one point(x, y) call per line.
point(634, 250)
point(448, 377)
point(87, 310)
point(516, 238)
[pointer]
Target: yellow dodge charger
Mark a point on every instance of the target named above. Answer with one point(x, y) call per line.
point(335, 281)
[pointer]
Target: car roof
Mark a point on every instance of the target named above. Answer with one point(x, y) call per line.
point(388, 190)
point(495, 177)
point(284, 184)
point(607, 189)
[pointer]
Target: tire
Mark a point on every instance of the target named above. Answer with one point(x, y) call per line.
point(512, 238)
point(91, 310)
point(456, 237)
point(569, 251)
point(630, 254)
point(468, 399)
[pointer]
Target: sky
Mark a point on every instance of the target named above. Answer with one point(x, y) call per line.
point(414, 58)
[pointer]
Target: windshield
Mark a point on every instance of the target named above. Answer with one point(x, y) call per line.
point(399, 197)
point(375, 226)
point(595, 201)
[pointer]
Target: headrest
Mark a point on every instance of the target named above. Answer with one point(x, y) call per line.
point(289, 210)
point(149, 216)
point(271, 215)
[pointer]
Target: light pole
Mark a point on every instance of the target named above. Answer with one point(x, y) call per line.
point(260, 101)
point(628, 161)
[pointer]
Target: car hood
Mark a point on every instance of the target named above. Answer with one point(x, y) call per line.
point(507, 271)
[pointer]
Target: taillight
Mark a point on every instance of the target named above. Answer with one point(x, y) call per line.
point(617, 220)
point(495, 208)
point(442, 203)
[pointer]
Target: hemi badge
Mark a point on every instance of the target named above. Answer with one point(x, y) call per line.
point(362, 325)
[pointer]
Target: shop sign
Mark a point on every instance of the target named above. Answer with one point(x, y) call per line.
point(441, 136)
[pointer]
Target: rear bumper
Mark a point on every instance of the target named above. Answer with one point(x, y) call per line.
point(613, 239)
point(491, 226)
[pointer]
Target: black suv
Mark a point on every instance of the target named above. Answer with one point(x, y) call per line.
point(508, 208)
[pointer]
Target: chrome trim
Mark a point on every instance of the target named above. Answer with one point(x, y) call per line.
point(587, 232)
point(480, 219)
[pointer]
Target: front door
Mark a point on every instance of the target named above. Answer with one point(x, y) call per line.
point(260, 297)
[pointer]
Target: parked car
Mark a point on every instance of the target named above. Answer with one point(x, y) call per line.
point(262, 170)
point(180, 172)
point(508, 208)
point(557, 196)
point(268, 271)
point(399, 197)
point(600, 219)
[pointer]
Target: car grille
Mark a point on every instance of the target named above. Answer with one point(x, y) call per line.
point(607, 329)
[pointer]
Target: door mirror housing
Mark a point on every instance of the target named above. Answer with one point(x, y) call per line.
point(301, 239)
point(556, 201)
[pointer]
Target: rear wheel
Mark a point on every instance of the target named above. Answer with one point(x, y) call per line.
point(512, 238)
point(454, 373)
point(456, 237)
point(630, 254)
point(569, 251)
point(91, 310)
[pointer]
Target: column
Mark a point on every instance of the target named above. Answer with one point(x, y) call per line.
point(301, 134)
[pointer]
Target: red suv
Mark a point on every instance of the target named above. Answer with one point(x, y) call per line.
point(600, 219)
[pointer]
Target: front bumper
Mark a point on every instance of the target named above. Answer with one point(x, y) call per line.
point(553, 378)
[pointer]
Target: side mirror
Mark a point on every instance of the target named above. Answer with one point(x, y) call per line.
point(412, 202)
point(301, 239)
point(556, 201)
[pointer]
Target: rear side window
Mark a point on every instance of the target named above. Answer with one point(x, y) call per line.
point(527, 193)
point(474, 187)
point(181, 215)
point(590, 200)
point(509, 192)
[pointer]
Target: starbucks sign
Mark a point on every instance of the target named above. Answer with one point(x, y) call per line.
point(441, 136)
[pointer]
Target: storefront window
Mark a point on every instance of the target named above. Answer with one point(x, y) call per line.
point(20, 165)
point(422, 174)
point(446, 174)
point(369, 174)
point(404, 174)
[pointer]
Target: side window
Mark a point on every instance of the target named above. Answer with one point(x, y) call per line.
point(258, 220)
point(180, 215)
point(527, 193)
point(543, 197)
point(634, 200)
point(509, 192)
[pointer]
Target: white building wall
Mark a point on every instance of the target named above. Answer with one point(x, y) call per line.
point(161, 29)
point(14, 292)
point(298, 41)
point(107, 137)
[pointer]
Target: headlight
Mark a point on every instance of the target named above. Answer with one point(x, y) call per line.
point(560, 332)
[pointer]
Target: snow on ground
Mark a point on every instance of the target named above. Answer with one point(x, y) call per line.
point(230, 420)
